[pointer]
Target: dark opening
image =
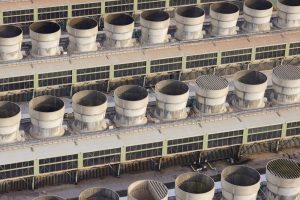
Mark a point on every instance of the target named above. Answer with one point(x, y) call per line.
point(8, 109)
point(131, 93)
point(224, 8)
point(9, 31)
point(83, 23)
point(190, 11)
point(241, 176)
point(47, 104)
point(172, 87)
point(253, 78)
point(259, 4)
point(91, 98)
point(290, 2)
point(44, 27)
point(155, 15)
point(119, 19)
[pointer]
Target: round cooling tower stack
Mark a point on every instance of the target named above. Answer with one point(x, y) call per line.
point(10, 117)
point(154, 24)
point(82, 34)
point(46, 114)
point(98, 193)
point(288, 12)
point(189, 23)
point(283, 179)
point(89, 108)
point(49, 198)
point(250, 89)
point(10, 43)
point(240, 182)
point(131, 104)
point(224, 18)
point(118, 30)
point(257, 15)
point(211, 94)
point(171, 100)
point(147, 190)
point(286, 84)
point(45, 37)
point(194, 186)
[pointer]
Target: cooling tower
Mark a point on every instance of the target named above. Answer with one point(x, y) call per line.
point(154, 25)
point(45, 37)
point(257, 15)
point(189, 23)
point(46, 114)
point(224, 18)
point(89, 108)
point(288, 12)
point(147, 190)
point(211, 94)
point(98, 193)
point(10, 43)
point(240, 182)
point(48, 198)
point(250, 89)
point(171, 100)
point(10, 117)
point(131, 104)
point(194, 186)
point(118, 30)
point(82, 35)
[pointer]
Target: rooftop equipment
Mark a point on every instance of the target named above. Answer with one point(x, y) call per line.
point(131, 104)
point(48, 198)
point(211, 94)
point(283, 178)
point(224, 18)
point(98, 193)
point(171, 100)
point(250, 89)
point(147, 190)
point(118, 30)
point(10, 43)
point(89, 108)
point(82, 34)
point(46, 114)
point(288, 12)
point(10, 117)
point(240, 182)
point(194, 186)
point(154, 25)
point(257, 15)
point(286, 84)
point(189, 23)
point(45, 37)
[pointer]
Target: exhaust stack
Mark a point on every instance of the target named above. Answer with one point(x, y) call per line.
point(257, 15)
point(89, 108)
point(171, 100)
point(46, 114)
point(211, 94)
point(82, 35)
point(147, 190)
point(10, 43)
point(192, 186)
point(10, 118)
point(240, 182)
point(189, 23)
point(224, 18)
point(118, 30)
point(288, 12)
point(155, 25)
point(250, 89)
point(98, 193)
point(45, 37)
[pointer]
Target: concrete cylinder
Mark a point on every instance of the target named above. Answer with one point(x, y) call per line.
point(45, 37)
point(46, 114)
point(154, 25)
point(49, 198)
point(257, 15)
point(211, 94)
point(10, 43)
point(283, 179)
point(82, 35)
point(131, 104)
point(171, 100)
point(10, 117)
point(240, 182)
point(98, 193)
point(118, 30)
point(89, 108)
point(288, 12)
point(147, 190)
point(224, 18)
point(189, 23)
point(194, 186)
point(286, 84)
point(250, 89)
